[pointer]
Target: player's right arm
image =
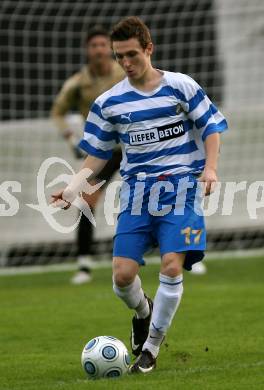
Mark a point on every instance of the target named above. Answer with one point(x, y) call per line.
point(91, 167)
point(98, 142)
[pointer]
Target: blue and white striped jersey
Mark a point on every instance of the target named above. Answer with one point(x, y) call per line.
point(160, 132)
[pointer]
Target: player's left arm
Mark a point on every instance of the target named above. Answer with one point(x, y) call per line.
point(209, 175)
point(209, 122)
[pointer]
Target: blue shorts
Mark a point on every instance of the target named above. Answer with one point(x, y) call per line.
point(164, 211)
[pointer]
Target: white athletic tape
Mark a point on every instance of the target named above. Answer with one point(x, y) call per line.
point(78, 184)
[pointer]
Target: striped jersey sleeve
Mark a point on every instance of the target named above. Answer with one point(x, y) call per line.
point(99, 137)
point(205, 115)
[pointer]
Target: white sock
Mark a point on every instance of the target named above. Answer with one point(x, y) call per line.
point(84, 261)
point(134, 297)
point(166, 303)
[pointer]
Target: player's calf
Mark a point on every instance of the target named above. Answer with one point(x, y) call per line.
point(166, 302)
point(133, 295)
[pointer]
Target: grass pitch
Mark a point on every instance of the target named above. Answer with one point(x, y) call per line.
point(216, 340)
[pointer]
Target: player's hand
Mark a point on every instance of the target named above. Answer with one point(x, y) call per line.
point(59, 201)
point(209, 180)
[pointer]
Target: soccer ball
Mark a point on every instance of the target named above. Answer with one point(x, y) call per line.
point(105, 357)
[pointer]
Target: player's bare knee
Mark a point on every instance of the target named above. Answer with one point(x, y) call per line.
point(172, 264)
point(122, 276)
point(172, 270)
point(122, 279)
point(124, 271)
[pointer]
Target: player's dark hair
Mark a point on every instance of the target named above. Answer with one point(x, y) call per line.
point(94, 32)
point(131, 27)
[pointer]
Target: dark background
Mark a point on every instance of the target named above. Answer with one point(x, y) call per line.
point(41, 45)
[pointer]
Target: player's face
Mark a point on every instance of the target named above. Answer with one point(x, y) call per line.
point(132, 57)
point(98, 49)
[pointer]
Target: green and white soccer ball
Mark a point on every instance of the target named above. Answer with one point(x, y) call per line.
point(105, 357)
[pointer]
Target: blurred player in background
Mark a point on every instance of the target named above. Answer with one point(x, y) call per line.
point(78, 93)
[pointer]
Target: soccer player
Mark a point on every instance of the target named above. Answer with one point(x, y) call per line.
point(79, 92)
point(169, 132)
